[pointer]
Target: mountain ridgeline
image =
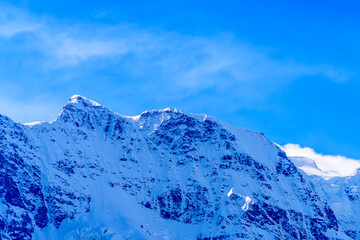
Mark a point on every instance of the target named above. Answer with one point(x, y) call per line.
point(165, 174)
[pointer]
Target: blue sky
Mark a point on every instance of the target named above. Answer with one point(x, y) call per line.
point(288, 69)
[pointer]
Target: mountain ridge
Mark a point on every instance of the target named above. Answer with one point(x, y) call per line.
point(162, 174)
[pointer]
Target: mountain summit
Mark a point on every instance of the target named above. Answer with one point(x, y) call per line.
point(165, 174)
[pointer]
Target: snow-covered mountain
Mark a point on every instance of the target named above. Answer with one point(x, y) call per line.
point(165, 174)
point(343, 196)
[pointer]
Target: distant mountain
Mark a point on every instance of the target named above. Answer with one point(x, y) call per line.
point(165, 174)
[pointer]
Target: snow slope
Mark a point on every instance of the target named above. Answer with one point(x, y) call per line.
point(165, 174)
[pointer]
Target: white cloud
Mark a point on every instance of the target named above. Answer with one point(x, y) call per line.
point(326, 166)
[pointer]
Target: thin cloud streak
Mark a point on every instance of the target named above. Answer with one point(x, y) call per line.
point(15, 21)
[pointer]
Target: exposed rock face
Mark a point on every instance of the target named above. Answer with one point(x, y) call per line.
point(164, 174)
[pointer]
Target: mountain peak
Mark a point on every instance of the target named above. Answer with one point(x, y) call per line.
point(162, 110)
point(78, 106)
point(78, 99)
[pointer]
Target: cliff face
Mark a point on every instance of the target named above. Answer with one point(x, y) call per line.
point(164, 174)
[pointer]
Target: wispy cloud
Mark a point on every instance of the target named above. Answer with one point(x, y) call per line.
point(326, 166)
point(173, 65)
point(16, 21)
point(196, 58)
